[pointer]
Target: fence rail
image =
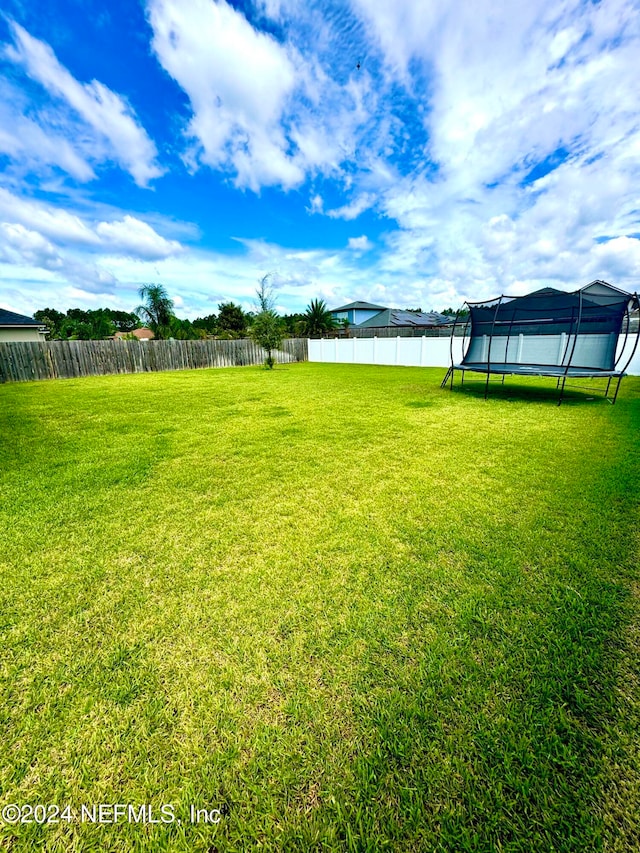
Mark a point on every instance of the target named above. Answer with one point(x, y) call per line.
point(25, 361)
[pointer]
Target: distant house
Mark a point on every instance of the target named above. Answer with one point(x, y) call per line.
point(141, 334)
point(18, 327)
point(364, 315)
point(356, 313)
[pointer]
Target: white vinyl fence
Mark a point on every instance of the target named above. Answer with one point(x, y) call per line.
point(410, 352)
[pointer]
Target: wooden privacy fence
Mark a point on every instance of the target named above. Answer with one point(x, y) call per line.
point(20, 362)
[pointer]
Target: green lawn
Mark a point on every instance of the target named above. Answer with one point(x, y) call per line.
point(348, 609)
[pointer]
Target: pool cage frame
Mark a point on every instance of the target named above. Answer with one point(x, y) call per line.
point(564, 367)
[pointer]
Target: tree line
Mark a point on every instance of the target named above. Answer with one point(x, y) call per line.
point(81, 325)
point(157, 313)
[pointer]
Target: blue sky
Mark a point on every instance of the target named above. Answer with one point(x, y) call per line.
point(481, 147)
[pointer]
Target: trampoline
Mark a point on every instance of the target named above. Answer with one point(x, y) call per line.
point(584, 334)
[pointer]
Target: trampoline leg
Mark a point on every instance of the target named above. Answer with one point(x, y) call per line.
point(448, 374)
point(462, 380)
point(606, 393)
point(616, 391)
point(486, 386)
point(564, 379)
point(503, 375)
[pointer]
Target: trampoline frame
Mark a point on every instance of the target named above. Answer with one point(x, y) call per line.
point(560, 371)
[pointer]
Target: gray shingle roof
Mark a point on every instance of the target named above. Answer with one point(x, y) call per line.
point(10, 318)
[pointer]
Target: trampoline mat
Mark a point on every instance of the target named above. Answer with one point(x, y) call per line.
point(536, 370)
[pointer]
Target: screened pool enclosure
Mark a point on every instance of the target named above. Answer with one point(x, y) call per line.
point(579, 335)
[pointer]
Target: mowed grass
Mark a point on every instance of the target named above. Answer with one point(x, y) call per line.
point(348, 609)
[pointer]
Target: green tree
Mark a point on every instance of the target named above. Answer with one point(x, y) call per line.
point(231, 318)
point(102, 326)
point(267, 331)
point(81, 331)
point(183, 330)
point(264, 292)
point(123, 320)
point(451, 312)
point(78, 324)
point(267, 328)
point(156, 310)
point(79, 315)
point(317, 318)
point(207, 324)
point(294, 324)
point(81, 325)
point(52, 319)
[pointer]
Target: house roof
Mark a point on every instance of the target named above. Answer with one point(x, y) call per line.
point(397, 317)
point(142, 334)
point(358, 306)
point(10, 318)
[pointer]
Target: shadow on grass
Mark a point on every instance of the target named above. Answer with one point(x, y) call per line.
point(529, 392)
point(419, 404)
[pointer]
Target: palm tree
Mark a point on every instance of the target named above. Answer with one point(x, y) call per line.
point(157, 309)
point(317, 318)
point(346, 325)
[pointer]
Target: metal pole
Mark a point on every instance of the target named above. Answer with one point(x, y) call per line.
point(493, 324)
point(636, 303)
point(453, 332)
point(573, 348)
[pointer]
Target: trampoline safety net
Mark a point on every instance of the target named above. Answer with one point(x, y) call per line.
point(551, 333)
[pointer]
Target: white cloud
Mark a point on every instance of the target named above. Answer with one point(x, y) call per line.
point(507, 84)
point(267, 111)
point(22, 248)
point(354, 208)
point(19, 245)
point(618, 258)
point(316, 205)
point(128, 236)
point(360, 244)
point(27, 143)
point(74, 252)
point(336, 276)
point(401, 28)
point(89, 277)
point(55, 223)
point(106, 112)
point(509, 89)
point(238, 81)
point(132, 236)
